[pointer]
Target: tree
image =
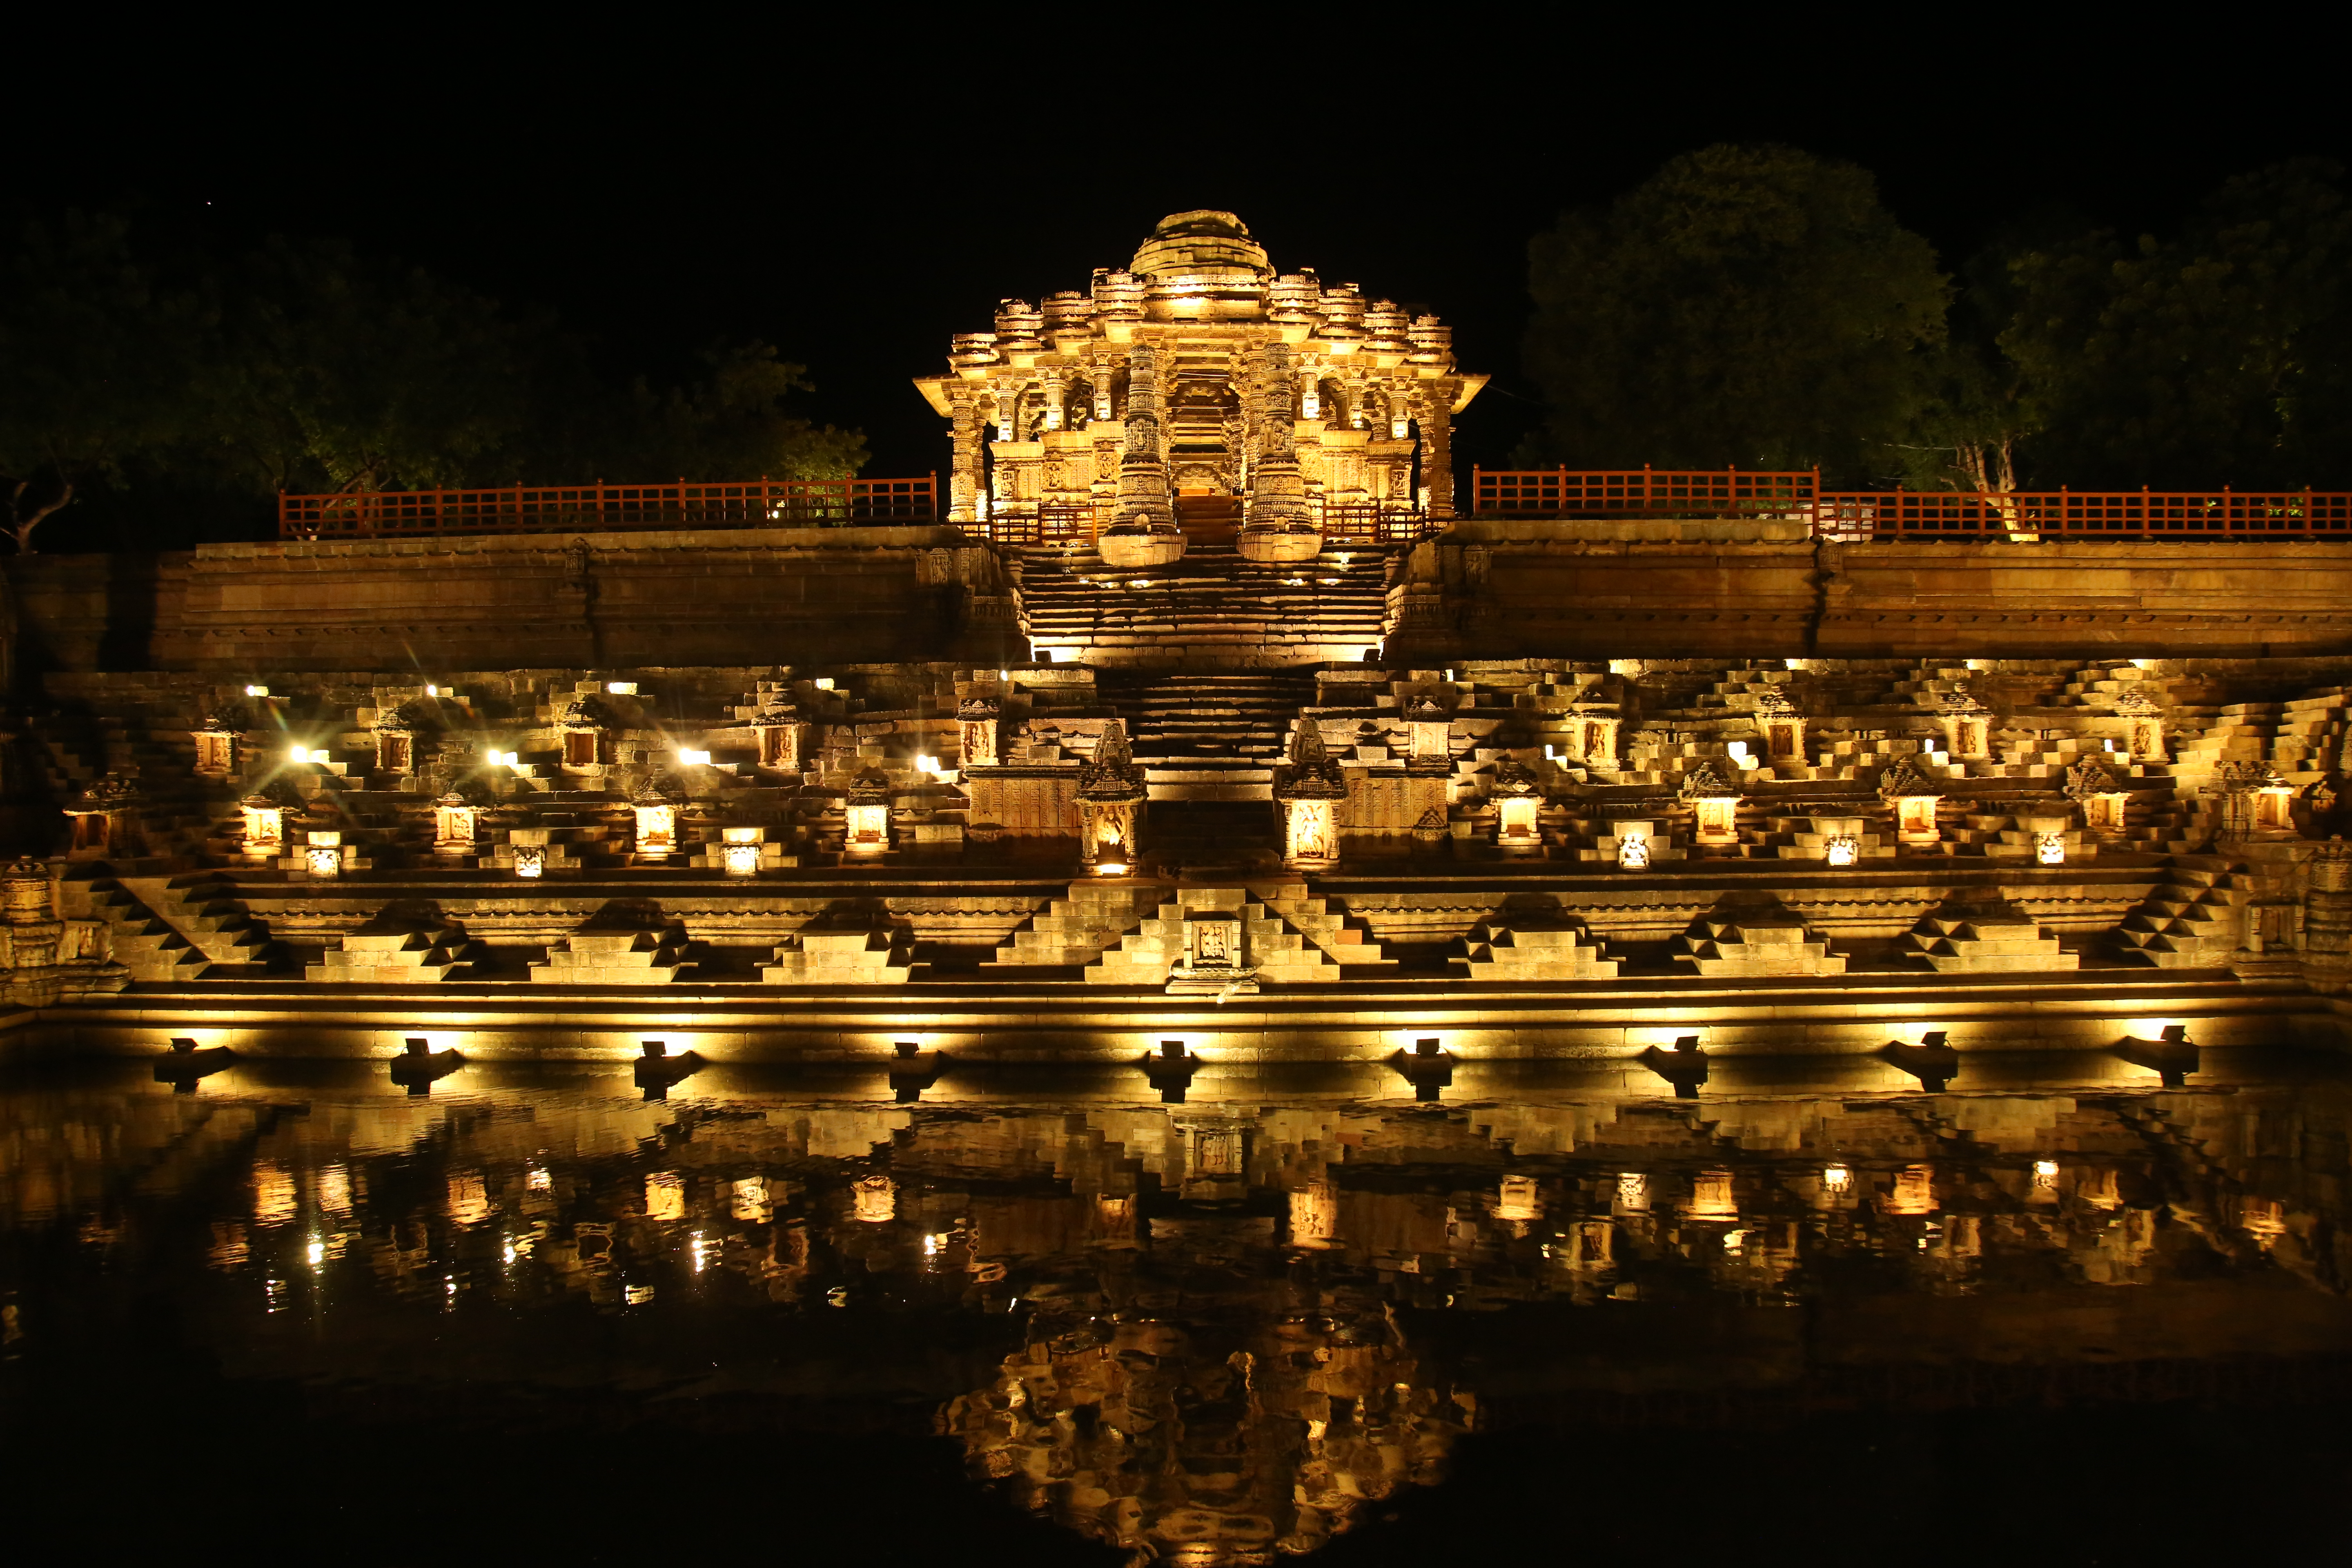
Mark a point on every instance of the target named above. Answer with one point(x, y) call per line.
point(96, 362)
point(2221, 356)
point(335, 373)
point(1750, 306)
point(160, 409)
point(734, 424)
point(1973, 414)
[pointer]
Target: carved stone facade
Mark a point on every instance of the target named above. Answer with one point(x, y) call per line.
point(1299, 396)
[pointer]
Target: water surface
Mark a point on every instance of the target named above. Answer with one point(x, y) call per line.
point(537, 1317)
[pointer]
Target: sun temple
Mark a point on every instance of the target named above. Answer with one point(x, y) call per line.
point(1200, 396)
point(1208, 716)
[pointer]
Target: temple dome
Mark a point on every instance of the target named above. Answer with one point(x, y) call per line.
point(1200, 248)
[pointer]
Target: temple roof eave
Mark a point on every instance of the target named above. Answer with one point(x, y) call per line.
point(934, 389)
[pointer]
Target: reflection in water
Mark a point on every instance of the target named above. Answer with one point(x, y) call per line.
point(1212, 1332)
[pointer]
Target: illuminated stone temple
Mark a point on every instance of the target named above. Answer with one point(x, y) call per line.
point(1207, 727)
point(1197, 391)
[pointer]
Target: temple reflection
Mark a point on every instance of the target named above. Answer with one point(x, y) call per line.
point(1201, 1332)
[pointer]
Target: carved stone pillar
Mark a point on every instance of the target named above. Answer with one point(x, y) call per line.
point(1436, 416)
point(964, 459)
point(2327, 917)
point(32, 933)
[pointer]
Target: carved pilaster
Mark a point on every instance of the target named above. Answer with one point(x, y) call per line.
point(964, 459)
point(1436, 416)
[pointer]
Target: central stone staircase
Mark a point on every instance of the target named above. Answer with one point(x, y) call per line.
point(1212, 608)
point(1210, 737)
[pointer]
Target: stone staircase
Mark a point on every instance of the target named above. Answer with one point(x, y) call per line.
point(2191, 921)
point(1988, 937)
point(1344, 938)
point(609, 957)
point(1072, 931)
point(391, 952)
point(1532, 949)
point(205, 909)
point(1210, 737)
point(1281, 951)
point(1744, 939)
point(2310, 736)
point(143, 941)
point(177, 816)
point(846, 954)
point(1212, 607)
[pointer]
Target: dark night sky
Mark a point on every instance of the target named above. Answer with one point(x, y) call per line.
point(855, 195)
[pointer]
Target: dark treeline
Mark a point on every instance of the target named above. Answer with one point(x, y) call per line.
point(155, 391)
point(1759, 306)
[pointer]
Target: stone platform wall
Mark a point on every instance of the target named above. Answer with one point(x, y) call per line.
point(1486, 588)
point(1759, 590)
point(749, 596)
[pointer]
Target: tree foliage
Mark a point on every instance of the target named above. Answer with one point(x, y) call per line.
point(96, 364)
point(181, 380)
point(1757, 307)
point(1749, 306)
point(2222, 355)
point(737, 422)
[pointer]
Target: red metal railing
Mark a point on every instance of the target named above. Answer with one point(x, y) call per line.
point(2084, 514)
point(1912, 514)
point(1371, 523)
point(1069, 525)
point(1638, 492)
point(519, 509)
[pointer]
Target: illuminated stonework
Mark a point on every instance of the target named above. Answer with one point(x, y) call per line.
point(1308, 399)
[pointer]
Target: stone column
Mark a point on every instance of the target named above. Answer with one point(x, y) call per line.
point(1436, 415)
point(32, 934)
point(1143, 497)
point(1277, 490)
point(964, 459)
point(2327, 956)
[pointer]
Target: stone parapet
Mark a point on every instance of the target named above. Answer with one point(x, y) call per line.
point(1570, 588)
point(708, 596)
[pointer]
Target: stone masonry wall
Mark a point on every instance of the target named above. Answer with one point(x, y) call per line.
point(1491, 589)
point(1761, 589)
point(762, 596)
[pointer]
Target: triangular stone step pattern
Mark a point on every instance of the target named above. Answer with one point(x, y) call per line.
point(615, 958)
point(1966, 940)
point(1736, 940)
point(2190, 921)
point(846, 955)
point(1280, 950)
point(141, 940)
point(205, 910)
point(1072, 931)
point(391, 958)
point(1549, 950)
